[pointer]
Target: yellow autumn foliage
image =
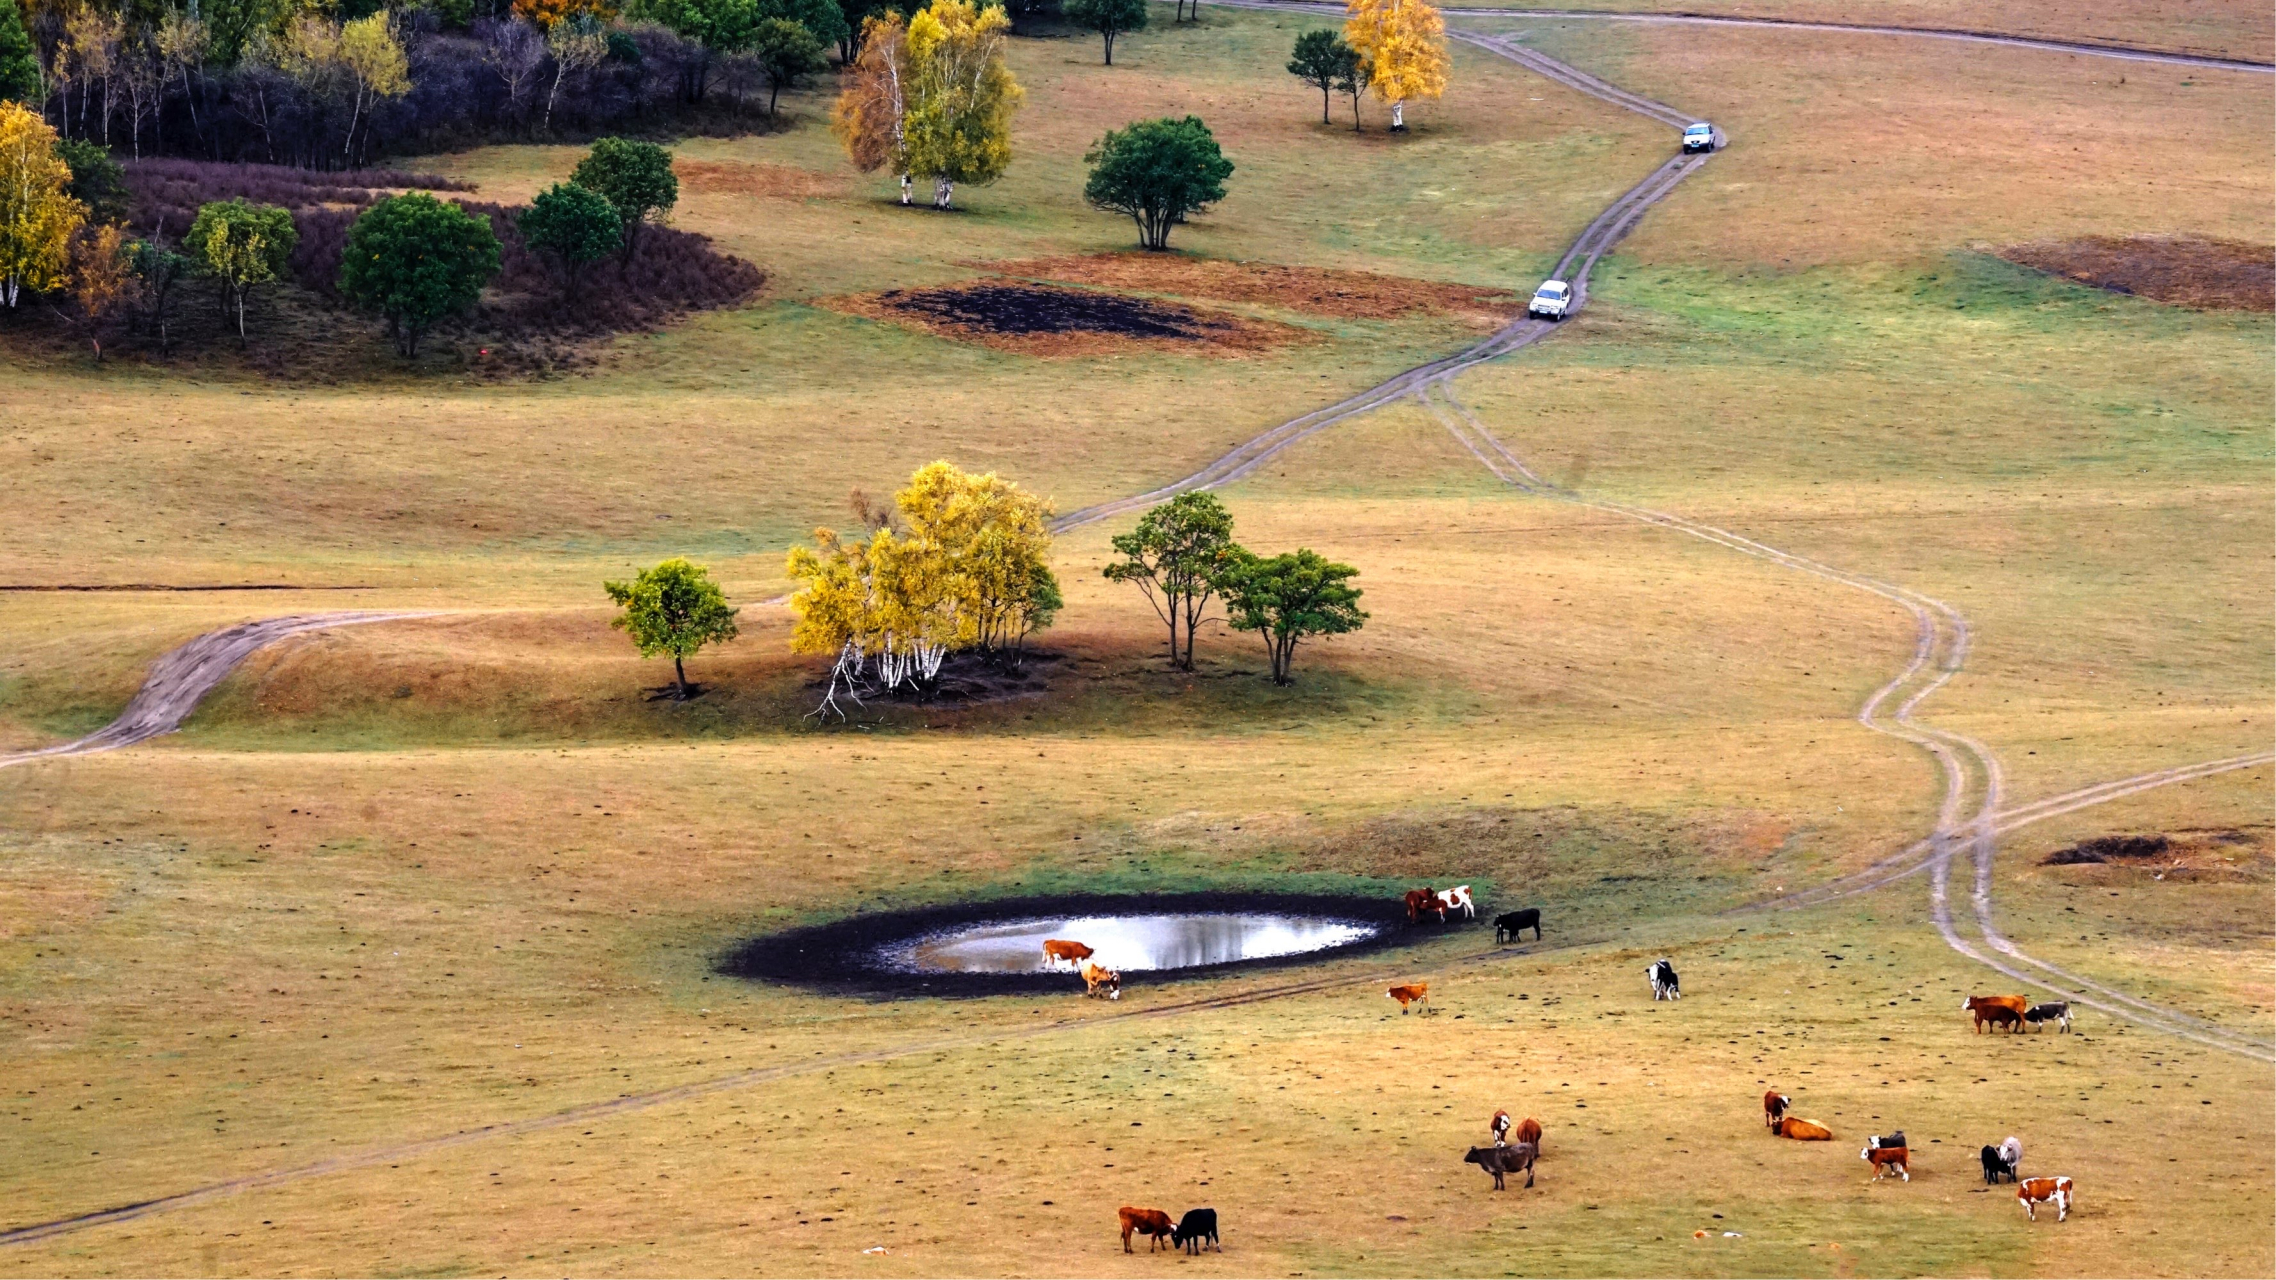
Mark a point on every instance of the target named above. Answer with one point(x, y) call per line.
point(1402, 43)
point(37, 215)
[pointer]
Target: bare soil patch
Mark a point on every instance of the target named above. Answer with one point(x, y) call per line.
point(765, 181)
point(2187, 271)
point(2225, 854)
point(1046, 320)
point(1355, 295)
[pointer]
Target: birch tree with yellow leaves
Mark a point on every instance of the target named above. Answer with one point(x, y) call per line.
point(1402, 46)
point(959, 125)
point(873, 103)
point(37, 215)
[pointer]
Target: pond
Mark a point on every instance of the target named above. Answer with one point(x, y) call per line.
point(1126, 943)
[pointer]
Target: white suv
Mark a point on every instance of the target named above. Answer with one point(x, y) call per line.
point(1550, 300)
point(1699, 137)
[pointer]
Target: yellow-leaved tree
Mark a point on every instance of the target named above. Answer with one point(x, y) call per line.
point(1402, 46)
point(958, 123)
point(873, 102)
point(963, 562)
point(37, 215)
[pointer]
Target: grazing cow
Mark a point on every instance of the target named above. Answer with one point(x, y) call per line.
point(1801, 1130)
point(1100, 982)
point(1896, 1139)
point(1501, 1161)
point(1058, 949)
point(2012, 1151)
point(2000, 1011)
point(1665, 985)
point(1196, 1226)
point(1422, 900)
point(1412, 993)
point(1529, 1131)
point(1457, 899)
point(2055, 1011)
point(1884, 1159)
point(1500, 1125)
point(1512, 925)
point(1146, 1222)
point(1996, 1166)
point(1774, 1106)
point(2033, 1192)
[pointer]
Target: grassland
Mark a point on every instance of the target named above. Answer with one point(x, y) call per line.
point(414, 879)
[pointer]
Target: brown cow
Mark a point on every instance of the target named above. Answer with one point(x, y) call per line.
point(1058, 949)
point(1529, 1130)
point(1884, 1159)
point(1146, 1222)
point(1412, 993)
point(1801, 1130)
point(1424, 899)
point(1774, 1106)
point(1100, 982)
point(1500, 1126)
point(1990, 1009)
point(2033, 1192)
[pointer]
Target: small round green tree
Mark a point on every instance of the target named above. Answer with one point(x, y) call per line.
point(415, 260)
point(1289, 598)
point(573, 224)
point(637, 179)
point(1110, 18)
point(1158, 172)
point(786, 53)
point(674, 608)
point(243, 245)
point(1323, 60)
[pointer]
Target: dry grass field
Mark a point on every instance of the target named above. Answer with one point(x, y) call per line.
point(423, 917)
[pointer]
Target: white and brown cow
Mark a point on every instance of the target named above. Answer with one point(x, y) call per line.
point(2033, 1192)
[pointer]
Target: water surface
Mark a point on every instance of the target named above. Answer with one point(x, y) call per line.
point(1132, 943)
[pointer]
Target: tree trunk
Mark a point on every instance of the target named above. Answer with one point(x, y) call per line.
point(906, 189)
point(1109, 48)
point(774, 94)
point(1323, 104)
point(1355, 111)
point(944, 193)
point(1398, 117)
point(680, 673)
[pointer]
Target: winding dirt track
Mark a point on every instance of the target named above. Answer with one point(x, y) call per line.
point(182, 677)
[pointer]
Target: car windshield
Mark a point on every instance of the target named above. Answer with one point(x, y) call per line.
point(1550, 291)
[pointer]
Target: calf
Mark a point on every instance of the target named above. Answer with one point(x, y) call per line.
point(2033, 1192)
point(1412, 993)
point(1146, 1222)
point(1196, 1226)
point(1058, 949)
point(1500, 1161)
point(1457, 899)
point(1990, 1009)
point(1801, 1130)
point(1500, 1126)
point(1997, 1166)
point(1774, 1106)
point(2057, 1012)
point(1100, 982)
point(1884, 1159)
point(1665, 985)
point(1529, 1131)
point(1512, 925)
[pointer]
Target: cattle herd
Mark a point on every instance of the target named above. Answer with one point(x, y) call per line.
point(1517, 1148)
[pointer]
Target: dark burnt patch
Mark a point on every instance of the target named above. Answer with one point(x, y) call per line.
point(2187, 271)
point(841, 957)
point(2105, 848)
point(1025, 309)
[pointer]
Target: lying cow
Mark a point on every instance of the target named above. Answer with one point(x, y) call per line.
point(2055, 1011)
point(1056, 950)
point(1997, 1166)
point(1100, 982)
point(1457, 899)
point(1146, 1222)
point(1774, 1106)
point(1511, 926)
point(1420, 901)
point(1665, 985)
point(1517, 1157)
point(1196, 1226)
point(2000, 1011)
point(2033, 1192)
point(1411, 993)
point(1801, 1130)
point(1884, 1159)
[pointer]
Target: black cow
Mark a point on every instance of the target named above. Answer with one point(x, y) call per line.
point(1517, 1157)
point(1665, 985)
point(1996, 1167)
point(1515, 923)
point(1196, 1226)
point(1896, 1139)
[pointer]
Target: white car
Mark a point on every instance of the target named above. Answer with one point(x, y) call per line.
point(1550, 300)
point(1699, 137)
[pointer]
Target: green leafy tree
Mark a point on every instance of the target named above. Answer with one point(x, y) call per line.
point(158, 269)
point(674, 608)
point(1158, 172)
point(415, 260)
point(635, 177)
point(244, 246)
point(1324, 61)
point(786, 53)
point(1290, 598)
point(1174, 556)
point(1354, 80)
point(97, 181)
point(573, 224)
point(1110, 18)
point(19, 61)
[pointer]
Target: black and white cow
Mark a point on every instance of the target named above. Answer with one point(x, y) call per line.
point(1884, 1140)
point(1665, 985)
point(2058, 1012)
point(1996, 1166)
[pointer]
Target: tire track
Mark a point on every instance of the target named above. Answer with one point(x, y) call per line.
point(182, 677)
